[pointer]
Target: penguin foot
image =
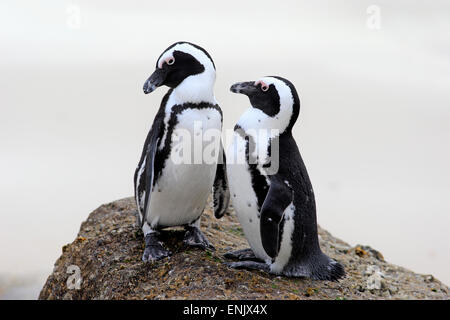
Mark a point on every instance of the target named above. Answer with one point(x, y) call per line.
point(249, 265)
point(195, 238)
point(154, 249)
point(244, 254)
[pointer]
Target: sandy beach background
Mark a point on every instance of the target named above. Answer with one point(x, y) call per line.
point(374, 127)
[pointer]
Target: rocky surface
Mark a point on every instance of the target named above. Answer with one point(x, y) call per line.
point(107, 253)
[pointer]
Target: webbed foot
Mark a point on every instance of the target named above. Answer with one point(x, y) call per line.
point(243, 254)
point(249, 265)
point(195, 238)
point(154, 249)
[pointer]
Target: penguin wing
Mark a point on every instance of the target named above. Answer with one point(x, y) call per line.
point(277, 200)
point(145, 172)
point(221, 193)
point(149, 176)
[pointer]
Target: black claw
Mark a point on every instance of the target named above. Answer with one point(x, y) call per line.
point(229, 264)
point(232, 255)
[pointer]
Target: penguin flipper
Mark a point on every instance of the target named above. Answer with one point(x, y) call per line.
point(145, 171)
point(149, 176)
point(221, 193)
point(277, 200)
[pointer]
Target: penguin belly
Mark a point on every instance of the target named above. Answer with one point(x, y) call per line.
point(243, 195)
point(246, 206)
point(180, 194)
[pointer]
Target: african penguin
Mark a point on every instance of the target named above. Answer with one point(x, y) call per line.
point(170, 192)
point(270, 188)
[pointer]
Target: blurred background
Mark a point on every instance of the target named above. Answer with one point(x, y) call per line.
point(374, 129)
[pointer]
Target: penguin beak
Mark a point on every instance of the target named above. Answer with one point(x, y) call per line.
point(156, 80)
point(248, 88)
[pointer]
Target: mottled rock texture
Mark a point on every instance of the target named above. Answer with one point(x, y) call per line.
point(109, 247)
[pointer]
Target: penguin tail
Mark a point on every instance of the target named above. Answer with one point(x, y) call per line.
point(326, 268)
point(316, 267)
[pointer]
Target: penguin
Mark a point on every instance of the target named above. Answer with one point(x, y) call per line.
point(170, 192)
point(270, 188)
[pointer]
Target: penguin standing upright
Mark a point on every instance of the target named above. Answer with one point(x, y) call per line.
point(270, 188)
point(170, 192)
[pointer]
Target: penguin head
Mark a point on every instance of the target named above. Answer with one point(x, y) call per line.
point(275, 103)
point(181, 63)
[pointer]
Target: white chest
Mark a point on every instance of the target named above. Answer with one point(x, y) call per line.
point(246, 206)
point(243, 196)
point(208, 118)
point(181, 192)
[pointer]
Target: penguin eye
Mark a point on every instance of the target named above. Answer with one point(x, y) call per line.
point(264, 87)
point(171, 61)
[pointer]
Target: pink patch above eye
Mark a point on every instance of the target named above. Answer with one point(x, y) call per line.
point(166, 60)
point(264, 85)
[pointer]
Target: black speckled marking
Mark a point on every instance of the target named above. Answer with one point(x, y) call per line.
point(164, 153)
point(259, 181)
point(307, 259)
point(155, 134)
